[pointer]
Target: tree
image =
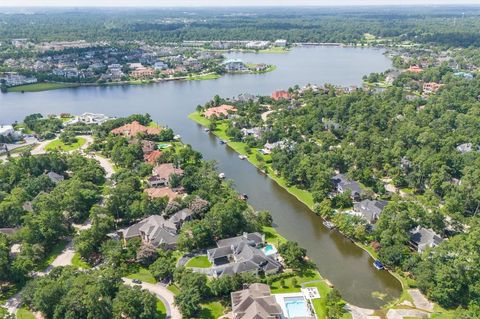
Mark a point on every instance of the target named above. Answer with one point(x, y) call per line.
point(146, 254)
point(134, 303)
point(164, 266)
point(293, 254)
point(335, 305)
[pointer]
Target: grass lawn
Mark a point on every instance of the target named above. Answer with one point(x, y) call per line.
point(153, 124)
point(174, 289)
point(22, 149)
point(207, 76)
point(37, 87)
point(144, 275)
point(272, 236)
point(197, 117)
point(161, 310)
point(211, 310)
point(79, 263)
point(199, 262)
point(59, 145)
point(23, 313)
point(274, 50)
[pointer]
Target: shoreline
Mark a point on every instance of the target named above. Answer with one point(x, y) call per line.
point(292, 191)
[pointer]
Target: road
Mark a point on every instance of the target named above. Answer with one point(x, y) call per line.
point(165, 295)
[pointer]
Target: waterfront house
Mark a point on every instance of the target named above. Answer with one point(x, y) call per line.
point(142, 73)
point(422, 238)
point(256, 132)
point(234, 65)
point(7, 130)
point(257, 45)
point(242, 254)
point(281, 95)
point(255, 302)
point(89, 118)
point(370, 210)
point(343, 184)
point(134, 128)
point(280, 43)
point(160, 65)
point(219, 111)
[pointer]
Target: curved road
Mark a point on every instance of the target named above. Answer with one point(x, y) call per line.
point(162, 293)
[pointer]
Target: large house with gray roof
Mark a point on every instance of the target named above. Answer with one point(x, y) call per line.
point(343, 184)
point(423, 238)
point(370, 210)
point(158, 230)
point(242, 254)
point(255, 302)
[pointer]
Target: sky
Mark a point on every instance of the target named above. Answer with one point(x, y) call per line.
point(172, 3)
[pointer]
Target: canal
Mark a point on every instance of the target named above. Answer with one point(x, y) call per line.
point(344, 264)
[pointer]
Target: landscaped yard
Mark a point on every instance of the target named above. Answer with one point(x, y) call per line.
point(174, 289)
point(199, 77)
point(23, 313)
point(161, 310)
point(211, 310)
point(37, 87)
point(143, 275)
point(79, 263)
point(59, 145)
point(199, 262)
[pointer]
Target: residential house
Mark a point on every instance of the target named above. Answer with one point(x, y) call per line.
point(234, 65)
point(280, 43)
point(7, 130)
point(134, 128)
point(370, 210)
point(147, 146)
point(422, 238)
point(279, 95)
point(160, 65)
point(142, 73)
point(89, 118)
point(415, 69)
point(54, 177)
point(343, 184)
point(158, 230)
point(255, 302)
point(431, 87)
point(269, 147)
point(219, 111)
point(256, 132)
point(151, 157)
point(257, 45)
point(242, 254)
point(162, 192)
point(467, 147)
point(162, 173)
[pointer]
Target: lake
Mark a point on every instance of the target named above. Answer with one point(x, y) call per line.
point(345, 265)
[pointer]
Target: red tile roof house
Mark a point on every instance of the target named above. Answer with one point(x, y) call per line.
point(219, 111)
point(415, 69)
point(162, 192)
point(431, 87)
point(151, 157)
point(132, 129)
point(278, 95)
point(161, 174)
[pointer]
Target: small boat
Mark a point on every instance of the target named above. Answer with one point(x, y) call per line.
point(328, 224)
point(244, 196)
point(206, 130)
point(221, 175)
point(242, 157)
point(378, 264)
point(177, 137)
point(223, 142)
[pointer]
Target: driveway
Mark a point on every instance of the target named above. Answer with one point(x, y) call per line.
point(420, 301)
point(165, 295)
point(105, 163)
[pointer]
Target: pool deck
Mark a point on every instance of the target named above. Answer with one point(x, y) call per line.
point(280, 298)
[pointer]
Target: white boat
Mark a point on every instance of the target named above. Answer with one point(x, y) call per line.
point(221, 175)
point(206, 130)
point(242, 157)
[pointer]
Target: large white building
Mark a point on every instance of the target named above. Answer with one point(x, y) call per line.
point(6, 130)
point(89, 118)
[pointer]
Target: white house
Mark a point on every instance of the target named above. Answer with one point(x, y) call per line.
point(6, 130)
point(280, 43)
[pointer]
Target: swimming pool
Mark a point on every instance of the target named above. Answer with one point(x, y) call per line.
point(269, 249)
point(296, 307)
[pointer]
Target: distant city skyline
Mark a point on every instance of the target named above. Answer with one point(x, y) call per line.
point(223, 3)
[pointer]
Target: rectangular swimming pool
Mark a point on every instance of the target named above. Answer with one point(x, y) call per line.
point(296, 307)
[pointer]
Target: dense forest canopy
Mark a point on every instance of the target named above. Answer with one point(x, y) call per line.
point(450, 26)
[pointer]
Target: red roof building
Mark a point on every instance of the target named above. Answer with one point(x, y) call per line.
point(151, 158)
point(132, 129)
point(431, 87)
point(278, 95)
point(415, 69)
point(219, 111)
